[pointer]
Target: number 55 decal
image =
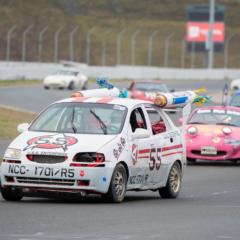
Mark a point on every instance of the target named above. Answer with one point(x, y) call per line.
point(155, 159)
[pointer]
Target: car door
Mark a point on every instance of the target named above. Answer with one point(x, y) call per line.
point(140, 149)
point(165, 144)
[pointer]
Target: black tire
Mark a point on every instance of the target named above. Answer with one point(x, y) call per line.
point(46, 87)
point(118, 185)
point(71, 86)
point(11, 195)
point(172, 189)
point(85, 86)
point(191, 160)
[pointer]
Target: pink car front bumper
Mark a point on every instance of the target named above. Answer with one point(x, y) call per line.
point(212, 148)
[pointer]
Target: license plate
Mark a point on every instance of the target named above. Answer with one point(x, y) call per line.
point(208, 150)
point(40, 171)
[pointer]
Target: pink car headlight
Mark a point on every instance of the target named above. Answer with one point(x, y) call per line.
point(192, 131)
point(227, 130)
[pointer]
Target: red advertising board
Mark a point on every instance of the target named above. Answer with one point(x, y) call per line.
point(198, 32)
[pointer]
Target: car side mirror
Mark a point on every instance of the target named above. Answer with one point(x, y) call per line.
point(141, 133)
point(23, 127)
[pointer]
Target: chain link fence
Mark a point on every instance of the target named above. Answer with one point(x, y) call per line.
point(108, 47)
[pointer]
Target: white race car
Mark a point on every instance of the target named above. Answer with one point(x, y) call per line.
point(95, 145)
point(235, 85)
point(66, 78)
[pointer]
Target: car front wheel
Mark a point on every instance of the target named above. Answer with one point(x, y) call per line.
point(172, 189)
point(118, 185)
point(71, 86)
point(13, 195)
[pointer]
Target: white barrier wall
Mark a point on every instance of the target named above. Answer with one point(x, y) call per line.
point(20, 70)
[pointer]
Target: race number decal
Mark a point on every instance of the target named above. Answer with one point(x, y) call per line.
point(155, 159)
point(51, 142)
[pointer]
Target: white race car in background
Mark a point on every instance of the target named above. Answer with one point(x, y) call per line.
point(95, 145)
point(235, 85)
point(66, 78)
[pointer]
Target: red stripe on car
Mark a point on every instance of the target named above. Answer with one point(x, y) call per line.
point(168, 154)
point(144, 151)
point(171, 147)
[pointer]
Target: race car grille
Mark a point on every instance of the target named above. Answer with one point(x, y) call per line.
point(46, 181)
point(219, 153)
point(48, 159)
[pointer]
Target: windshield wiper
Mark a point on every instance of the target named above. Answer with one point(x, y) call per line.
point(72, 123)
point(102, 124)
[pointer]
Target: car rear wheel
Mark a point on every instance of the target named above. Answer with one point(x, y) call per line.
point(46, 87)
point(10, 194)
point(118, 185)
point(85, 86)
point(71, 86)
point(172, 189)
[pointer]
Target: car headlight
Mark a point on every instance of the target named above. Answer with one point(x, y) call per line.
point(227, 130)
point(13, 153)
point(192, 131)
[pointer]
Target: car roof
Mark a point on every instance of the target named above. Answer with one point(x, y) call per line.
point(128, 102)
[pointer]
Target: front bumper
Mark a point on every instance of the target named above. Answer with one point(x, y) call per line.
point(58, 178)
point(56, 84)
point(223, 151)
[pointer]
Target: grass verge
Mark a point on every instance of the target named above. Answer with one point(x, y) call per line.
point(18, 82)
point(9, 120)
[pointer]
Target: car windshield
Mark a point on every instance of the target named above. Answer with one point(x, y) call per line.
point(67, 72)
point(216, 117)
point(151, 87)
point(82, 118)
point(235, 101)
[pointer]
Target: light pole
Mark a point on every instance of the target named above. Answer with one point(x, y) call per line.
point(210, 34)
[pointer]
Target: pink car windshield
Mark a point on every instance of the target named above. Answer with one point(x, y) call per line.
point(216, 117)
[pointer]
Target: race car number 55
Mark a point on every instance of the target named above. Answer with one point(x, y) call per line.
point(41, 171)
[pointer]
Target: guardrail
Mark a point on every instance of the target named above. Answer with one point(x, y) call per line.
point(35, 70)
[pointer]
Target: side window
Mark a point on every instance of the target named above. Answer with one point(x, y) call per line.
point(157, 123)
point(137, 119)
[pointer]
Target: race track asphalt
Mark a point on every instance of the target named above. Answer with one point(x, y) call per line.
point(207, 208)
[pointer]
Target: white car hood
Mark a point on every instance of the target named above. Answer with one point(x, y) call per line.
point(59, 143)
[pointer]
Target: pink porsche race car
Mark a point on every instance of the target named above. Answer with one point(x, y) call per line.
point(212, 133)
